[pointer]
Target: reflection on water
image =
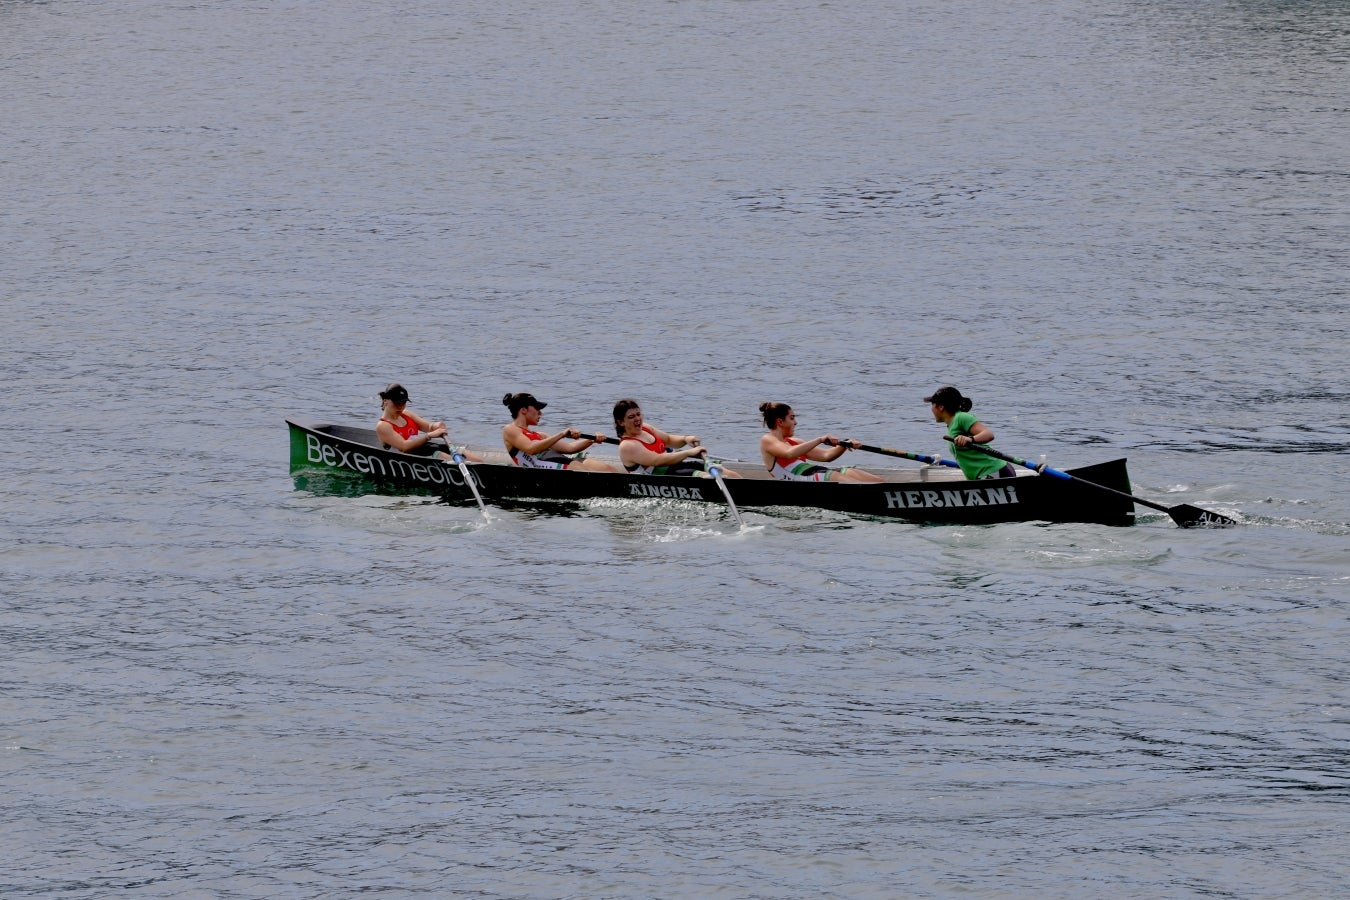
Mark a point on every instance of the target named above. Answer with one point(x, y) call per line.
point(334, 483)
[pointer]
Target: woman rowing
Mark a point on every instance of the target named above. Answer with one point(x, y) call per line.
point(531, 449)
point(647, 450)
point(792, 460)
point(406, 431)
point(964, 430)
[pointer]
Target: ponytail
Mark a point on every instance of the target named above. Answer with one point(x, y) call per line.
point(774, 413)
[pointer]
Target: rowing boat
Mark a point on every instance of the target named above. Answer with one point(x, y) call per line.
point(336, 458)
point(350, 459)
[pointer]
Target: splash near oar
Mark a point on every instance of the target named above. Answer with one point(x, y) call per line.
point(1185, 515)
point(458, 457)
point(716, 472)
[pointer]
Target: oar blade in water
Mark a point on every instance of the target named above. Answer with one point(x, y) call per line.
point(1187, 516)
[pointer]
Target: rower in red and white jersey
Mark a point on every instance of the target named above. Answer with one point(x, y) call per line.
point(789, 459)
point(533, 449)
point(648, 450)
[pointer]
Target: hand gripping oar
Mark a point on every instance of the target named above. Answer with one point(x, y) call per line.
point(905, 454)
point(713, 469)
point(1185, 515)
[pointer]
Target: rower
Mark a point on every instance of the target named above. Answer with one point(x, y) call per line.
point(531, 449)
point(789, 459)
point(963, 429)
point(402, 429)
point(647, 450)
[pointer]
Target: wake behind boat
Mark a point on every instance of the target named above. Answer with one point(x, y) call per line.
point(351, 458)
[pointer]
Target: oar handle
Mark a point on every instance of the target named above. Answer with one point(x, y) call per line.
point(610, 440)
point(713, 469)
point(905, 454)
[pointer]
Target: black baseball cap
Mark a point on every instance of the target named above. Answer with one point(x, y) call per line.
point(945, 396)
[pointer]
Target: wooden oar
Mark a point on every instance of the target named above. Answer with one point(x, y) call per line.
point(905, 454)
point(1185, 515)
point(713, 469)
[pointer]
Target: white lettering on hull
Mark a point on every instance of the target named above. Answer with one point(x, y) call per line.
point(664, 491)
point(1005, 495)
point(333, 456)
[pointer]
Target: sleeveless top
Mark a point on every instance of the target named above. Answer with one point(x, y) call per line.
point(691, 466)
point(798, 468)
point(548, 459)
point(656, 446)
point(407, 430)
point(783, 462)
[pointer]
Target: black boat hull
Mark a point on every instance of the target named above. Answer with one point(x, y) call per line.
point(349, 460)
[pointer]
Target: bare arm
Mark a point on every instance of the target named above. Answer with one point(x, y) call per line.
point(635, 453)
point(386, 433)
point(575, 443)
point(979, 434)
point(827, 448)
point(512, 436)
point(772, 445)
point(514, 439)
point(673, 440)
point(837, 449)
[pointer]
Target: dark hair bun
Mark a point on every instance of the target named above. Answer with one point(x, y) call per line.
point(773, 412)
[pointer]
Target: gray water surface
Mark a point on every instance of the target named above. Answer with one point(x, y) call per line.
point(1120, 228)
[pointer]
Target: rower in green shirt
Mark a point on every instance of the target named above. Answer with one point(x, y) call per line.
point(953, 409)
